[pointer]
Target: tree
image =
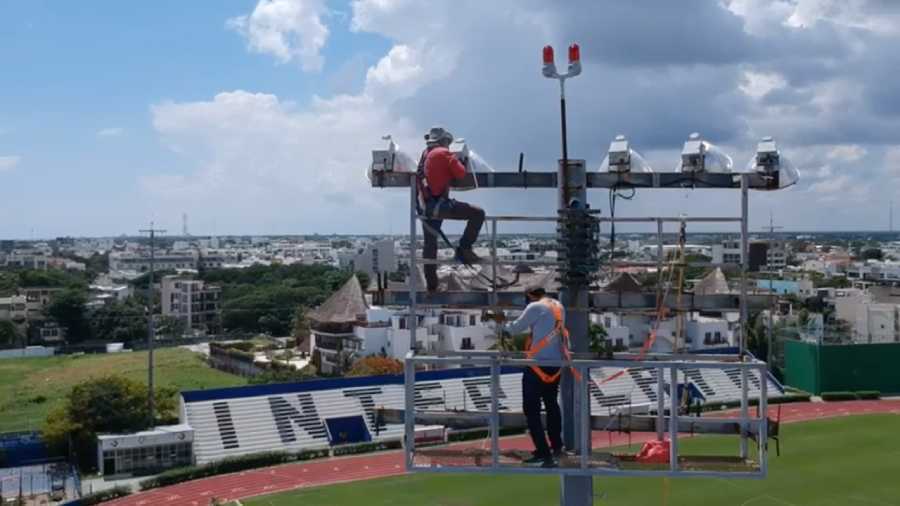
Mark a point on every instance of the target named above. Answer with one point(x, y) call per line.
point(119, 322)
point(599, 342)
point(872, 254)
point(9, 334)
point(375, 366)
point(111, 404)
point(68, 310)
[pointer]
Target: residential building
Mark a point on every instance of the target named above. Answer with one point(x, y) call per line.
point(333, 341)
point(761, 254)
point(192, 301)
point(873, 315)
point(140, 261)
point(13, 308)
point(373, 258)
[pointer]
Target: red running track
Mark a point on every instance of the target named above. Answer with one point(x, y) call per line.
point(343, 469)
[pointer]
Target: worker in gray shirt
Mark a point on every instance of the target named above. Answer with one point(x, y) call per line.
point(545, 317)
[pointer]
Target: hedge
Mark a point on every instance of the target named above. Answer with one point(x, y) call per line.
point(849, 396)
point(838, 396)
point(101, 496)
point(353, 449)
point(224, 466)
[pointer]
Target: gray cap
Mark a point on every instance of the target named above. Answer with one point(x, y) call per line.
point(438, 135)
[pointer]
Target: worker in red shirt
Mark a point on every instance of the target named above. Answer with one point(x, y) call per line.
point(437, 168)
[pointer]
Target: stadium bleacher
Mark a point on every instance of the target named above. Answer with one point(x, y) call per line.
point(295, 416)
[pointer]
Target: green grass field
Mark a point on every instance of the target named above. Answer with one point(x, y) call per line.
point(24, 382)
point(834, 462)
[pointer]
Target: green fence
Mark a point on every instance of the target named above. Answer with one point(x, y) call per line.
point(853, 367)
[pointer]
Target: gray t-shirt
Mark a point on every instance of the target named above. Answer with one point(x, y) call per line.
point(539, 318)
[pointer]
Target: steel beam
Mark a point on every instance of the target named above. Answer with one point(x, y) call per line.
point(462, 420)
point(661, 180)
point(597, 301)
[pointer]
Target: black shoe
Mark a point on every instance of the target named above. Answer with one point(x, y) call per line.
point(549, 463)
point(559, 452)
point(536, 460)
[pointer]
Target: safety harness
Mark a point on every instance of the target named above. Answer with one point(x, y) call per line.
point(429, 206)
point(559, 330)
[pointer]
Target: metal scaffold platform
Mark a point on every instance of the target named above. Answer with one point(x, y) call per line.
point(577, 229)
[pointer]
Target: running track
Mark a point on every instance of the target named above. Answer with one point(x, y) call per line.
point(344, 469)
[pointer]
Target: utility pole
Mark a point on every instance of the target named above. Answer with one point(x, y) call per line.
point(151, 331)
point(770, 327)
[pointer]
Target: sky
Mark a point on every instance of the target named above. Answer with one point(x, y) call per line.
point(259, 117)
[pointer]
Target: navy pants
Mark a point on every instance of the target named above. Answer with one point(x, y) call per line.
point(535, 392)
point(449, 210)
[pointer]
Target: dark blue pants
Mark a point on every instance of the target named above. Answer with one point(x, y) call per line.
point(535, 392)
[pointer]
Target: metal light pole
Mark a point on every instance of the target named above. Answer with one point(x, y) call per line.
point(572, 183)
point(150, 328)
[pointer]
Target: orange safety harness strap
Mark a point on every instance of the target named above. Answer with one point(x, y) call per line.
point(558, 330)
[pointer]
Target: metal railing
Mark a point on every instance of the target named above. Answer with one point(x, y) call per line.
point(671, 425)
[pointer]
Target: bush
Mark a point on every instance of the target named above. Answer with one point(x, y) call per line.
point(224, 466)
point(353, 449)
point(868, 394)
point(101, 496)
point(311, 454)
point(838, 396)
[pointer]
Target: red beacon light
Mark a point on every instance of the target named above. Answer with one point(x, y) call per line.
point(548, 55)
point(574, 53)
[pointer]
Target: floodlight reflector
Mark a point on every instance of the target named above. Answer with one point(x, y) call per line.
point(699, 155)
point(621, 158)
point(770, 162)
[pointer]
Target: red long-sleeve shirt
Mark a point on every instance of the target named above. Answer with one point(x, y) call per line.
point(441, 167)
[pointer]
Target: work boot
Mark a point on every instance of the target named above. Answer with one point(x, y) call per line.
point(467, 256)
point(536, 460)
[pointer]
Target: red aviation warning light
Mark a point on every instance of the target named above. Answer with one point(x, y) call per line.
point(548, 55)
point(574, 53)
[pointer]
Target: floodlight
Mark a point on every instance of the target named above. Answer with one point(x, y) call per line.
point(621, 158)
point(390, 159)
point(699, 155)
point(473, 162)
point(770, 162)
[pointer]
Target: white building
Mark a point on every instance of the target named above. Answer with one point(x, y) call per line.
point(873, 316)
point(192, 301)
point(140, 261)
point(375, 257)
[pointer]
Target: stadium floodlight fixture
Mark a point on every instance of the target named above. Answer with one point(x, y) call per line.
point(391, 159)
point(621, 158)
point(770, 162)
point(699, 155)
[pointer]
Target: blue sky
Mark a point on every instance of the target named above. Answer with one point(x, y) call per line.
point(113, 114)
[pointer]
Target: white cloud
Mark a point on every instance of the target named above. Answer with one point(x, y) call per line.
point(847, 153)
point(9, 162)
point(758, 84)
point(286, 29)
point(110, 132)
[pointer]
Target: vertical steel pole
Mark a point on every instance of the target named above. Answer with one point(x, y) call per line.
point(673, 420)
point(409, 409)
point(585, 407)
point(764, 422)
point(576, 490)
point(413, 268)
point(495, 412)
point(660, 404)
point(745, 325)
point(409, 371)
point(151, 331)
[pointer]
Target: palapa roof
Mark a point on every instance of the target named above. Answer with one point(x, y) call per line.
point(624, 282)
point(347, 305)
point(713, 283)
